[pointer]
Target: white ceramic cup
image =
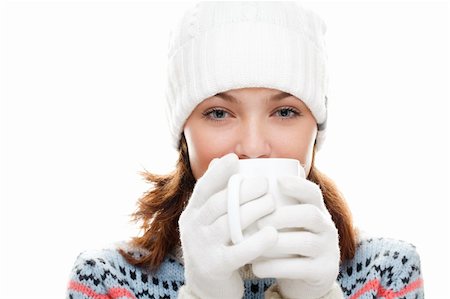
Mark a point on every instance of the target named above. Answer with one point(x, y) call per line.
point(271, 168)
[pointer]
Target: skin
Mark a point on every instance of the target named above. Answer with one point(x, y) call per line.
point(253, 125)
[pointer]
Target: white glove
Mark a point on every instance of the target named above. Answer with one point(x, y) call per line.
point(211, 261)
point(310, 274)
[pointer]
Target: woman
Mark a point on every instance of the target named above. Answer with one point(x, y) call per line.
point(247, 80)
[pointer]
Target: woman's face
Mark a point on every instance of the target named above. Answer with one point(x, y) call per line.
point(252, 123)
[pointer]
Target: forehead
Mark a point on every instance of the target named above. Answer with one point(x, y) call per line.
point(253, 91)
point(252, 94)
point(236, 95)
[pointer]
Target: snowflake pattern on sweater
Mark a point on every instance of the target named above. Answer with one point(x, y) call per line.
point(381, 268)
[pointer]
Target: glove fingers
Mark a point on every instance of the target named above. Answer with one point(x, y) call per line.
point(303, 244)
point(303, 216)
point(217, 205)
point(304, 191)
point(249, 212)
point(291, 288)
point(284, 268)
point(251, 247)
point(214, 179)
point(308, 276)
point(254, 210)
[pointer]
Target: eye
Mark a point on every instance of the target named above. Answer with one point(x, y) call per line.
point(288, 112)
point(215, 114)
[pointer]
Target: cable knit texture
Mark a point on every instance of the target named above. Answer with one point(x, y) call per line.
point(381, 268)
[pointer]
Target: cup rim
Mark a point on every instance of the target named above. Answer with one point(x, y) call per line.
point(267, 159)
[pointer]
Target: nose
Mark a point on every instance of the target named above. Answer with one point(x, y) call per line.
point(253, 141)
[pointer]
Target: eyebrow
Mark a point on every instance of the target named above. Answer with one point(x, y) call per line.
point(230, 98)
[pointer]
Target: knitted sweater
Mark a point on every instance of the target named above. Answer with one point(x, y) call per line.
point(381, 268)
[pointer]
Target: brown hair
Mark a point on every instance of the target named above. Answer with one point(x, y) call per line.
point(160, 208)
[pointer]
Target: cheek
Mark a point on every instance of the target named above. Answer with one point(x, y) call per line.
point(297, 144)
point(203, 147)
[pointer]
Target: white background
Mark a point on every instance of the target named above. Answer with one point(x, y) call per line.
point(81, 113)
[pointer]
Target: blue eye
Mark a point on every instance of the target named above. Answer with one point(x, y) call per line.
point(215, 114)
point(288, 112)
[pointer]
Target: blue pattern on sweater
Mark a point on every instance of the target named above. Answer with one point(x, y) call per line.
point(394, 264)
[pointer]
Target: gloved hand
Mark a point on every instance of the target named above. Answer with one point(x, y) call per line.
point(313, 269)
point(211, 261)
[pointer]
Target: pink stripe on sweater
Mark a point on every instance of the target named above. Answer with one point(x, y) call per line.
point(112, 293)
point(388, 294)
point(409, 288)
point(371, 285)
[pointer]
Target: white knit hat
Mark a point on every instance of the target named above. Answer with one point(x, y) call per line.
point(219, 46)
